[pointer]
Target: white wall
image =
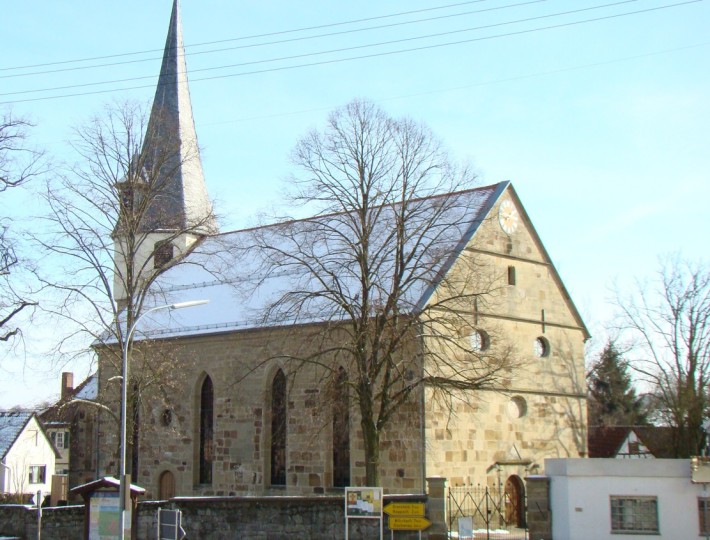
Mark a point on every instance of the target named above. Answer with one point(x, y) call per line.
point(580, 491)
point(31, 448)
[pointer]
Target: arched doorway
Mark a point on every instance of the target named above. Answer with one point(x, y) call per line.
point(515, 501)
point(166, 486)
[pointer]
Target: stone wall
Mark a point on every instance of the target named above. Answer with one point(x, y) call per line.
point(217, 518)
point(539, 516)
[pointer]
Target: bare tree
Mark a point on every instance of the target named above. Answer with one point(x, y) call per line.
point(110, 237)
point(670, 323)
point(373, 268)
point(18, 164)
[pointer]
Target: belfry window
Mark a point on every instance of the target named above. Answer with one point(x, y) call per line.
point(278, 430)
point(206, 431)
point(162, 254)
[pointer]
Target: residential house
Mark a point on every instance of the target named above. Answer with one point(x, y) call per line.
point(631, 442)
point(27, 455)
point(73, 424)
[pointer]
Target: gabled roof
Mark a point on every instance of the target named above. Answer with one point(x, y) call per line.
point(606, 441)
point(185, 202)
point(222, 261)
point(88, 390)
point(12, 424)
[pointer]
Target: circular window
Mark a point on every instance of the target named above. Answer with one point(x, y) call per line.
point(167, 417)
point(541, 347)
point(517, 407)
point(479, 341)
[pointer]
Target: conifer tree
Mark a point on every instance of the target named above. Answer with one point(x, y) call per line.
point(612, 397)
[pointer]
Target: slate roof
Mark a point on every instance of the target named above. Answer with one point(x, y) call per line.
point(186, 201)
point(221, 262)
point(11, 425)
point(88, 390)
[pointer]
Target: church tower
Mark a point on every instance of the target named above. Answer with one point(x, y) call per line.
point(164, 192)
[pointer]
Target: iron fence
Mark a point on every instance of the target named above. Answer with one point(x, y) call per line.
point(485, 513)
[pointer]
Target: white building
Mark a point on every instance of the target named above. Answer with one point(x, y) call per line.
point(597, 499)
point(27, 455)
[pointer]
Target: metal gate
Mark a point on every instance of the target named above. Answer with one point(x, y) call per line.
point(484, 513)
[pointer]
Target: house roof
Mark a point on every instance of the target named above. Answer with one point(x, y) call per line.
point(241, 282)
point(606, 441)
point(11, 425)
point(88, 390)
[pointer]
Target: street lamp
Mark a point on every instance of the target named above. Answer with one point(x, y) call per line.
point(124, 399)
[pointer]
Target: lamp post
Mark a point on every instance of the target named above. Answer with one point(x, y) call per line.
point(123, 489)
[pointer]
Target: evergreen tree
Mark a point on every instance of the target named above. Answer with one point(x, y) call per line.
point(612, 397)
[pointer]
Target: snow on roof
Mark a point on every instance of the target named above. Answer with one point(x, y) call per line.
point(89, 389)
point(11, 425)
point(241, 278)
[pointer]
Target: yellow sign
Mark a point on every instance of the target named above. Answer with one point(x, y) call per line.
point(408, 523)
point(404, 509)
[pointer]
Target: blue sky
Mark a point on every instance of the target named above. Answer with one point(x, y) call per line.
point(602, 126)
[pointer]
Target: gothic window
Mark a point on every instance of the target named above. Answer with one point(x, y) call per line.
point(341, 431)
point(278, 430)
point(206, 431)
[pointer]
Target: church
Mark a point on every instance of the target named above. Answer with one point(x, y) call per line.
point(264, 397)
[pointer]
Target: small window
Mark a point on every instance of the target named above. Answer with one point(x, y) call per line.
point(37, 474)
point(167, 417)
point(511, 275)
point(704, 515)
point(127, 199)
point(162, 254)
point(479, 341)
point(517, 407)
point(634, 515)
point(541, 347)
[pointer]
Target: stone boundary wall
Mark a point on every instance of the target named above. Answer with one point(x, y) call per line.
point(218, 518)
point(539, 516)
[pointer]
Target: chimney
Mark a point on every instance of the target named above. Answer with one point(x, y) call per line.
point(67, 384)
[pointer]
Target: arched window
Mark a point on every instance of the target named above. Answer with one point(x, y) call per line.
point(341, 431)
point(206, 431)
point(278, 430)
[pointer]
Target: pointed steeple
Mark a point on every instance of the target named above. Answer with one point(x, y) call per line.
point(183, 202)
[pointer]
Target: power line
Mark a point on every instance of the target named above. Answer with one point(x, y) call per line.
point(306, 55)
point(268, 34)
point(319, 53)
point(361, 57)
point(276, 42)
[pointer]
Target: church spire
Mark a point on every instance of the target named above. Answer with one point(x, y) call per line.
point(184, 202)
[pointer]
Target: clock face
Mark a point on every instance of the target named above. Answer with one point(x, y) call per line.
point(508, 217)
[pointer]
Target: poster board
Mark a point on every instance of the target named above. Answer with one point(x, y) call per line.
point(104, 516)
point(363, 503)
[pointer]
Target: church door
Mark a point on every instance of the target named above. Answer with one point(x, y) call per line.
point(515, 501)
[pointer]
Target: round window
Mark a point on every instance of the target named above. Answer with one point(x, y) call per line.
point(479, 341)
point(541, 347)
point(517, 407)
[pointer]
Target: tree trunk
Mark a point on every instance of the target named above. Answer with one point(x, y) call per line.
point(371, 438)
